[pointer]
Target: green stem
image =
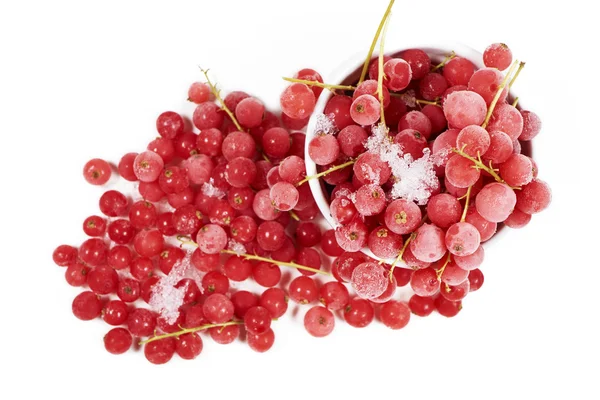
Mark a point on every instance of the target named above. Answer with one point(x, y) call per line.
point(183, 331)
point(328, 171)
point(319, 84)
point(217, 93)
point(363, 73)
point(270, 260)
point(498, 94)
point(444, 61)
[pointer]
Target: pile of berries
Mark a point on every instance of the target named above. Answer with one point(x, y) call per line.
point(229, 201)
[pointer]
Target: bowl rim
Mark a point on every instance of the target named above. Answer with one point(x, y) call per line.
point(436, 51)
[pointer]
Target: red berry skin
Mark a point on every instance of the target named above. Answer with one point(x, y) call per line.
point(189, 346)
point(113, 203)
point(257, 320)
point(169, 124)
point(118, 341)
point(64, 255)
point(275, 300)
point(319, 321)
point(359, 313)
point(93, 252)
point(243, 301)
point(103, 280)
point(261, 342)
point(141, 322)
point(94, 226)
point(115, 312)
point(76, 274)
point(97, 171)
point(160, 351)
point(128, 290)
point(225, 335)
point(447, 308)
point(421, 305)
point(394, 314)
point(87, 306)
point(334, 295)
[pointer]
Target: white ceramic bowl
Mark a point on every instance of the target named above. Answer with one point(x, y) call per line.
point(348, 73)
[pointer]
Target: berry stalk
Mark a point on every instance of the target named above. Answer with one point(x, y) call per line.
point(521, 66)
point(399, 258)
point(319, 84)
point(499, 93)
point(328, 171)
point(186, 240)
point(441, 270)
point(270, 260)
point(363, 73)
point(478, 163)
point(444, 61)
point(217, 93)
point(381, 73)
point(467, 198)
point(183, 331)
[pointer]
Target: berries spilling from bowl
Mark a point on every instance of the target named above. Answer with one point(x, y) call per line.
point(421, 163)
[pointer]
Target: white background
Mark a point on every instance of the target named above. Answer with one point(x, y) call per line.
point(87, 79)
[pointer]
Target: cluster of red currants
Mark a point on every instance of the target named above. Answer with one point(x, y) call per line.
point(398, 191)
point(235, 188)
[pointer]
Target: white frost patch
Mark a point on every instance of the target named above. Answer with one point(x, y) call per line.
point(236, 247)
point(324, 125)
point(344, 192)
point(208, 189)
point(166, 298)
point(441, 156)
point(414, 178)
point(409, 98)
point(371, 174)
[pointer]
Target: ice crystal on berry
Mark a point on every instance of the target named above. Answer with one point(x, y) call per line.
point(236, 247)
point(209, 189)
point(324, 125)
point(166, 297)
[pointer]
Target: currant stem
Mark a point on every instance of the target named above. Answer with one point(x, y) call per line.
point(270, 260)
point(444, 61)
point(467, 197)
point(418, 101)
point(514, 104)
point(319, 84)
point(264, 156)
point(294, 216)
point(363, 73)
point(186, 240)
point(328, 171)
point(498, 94)
point(183, 331)
point(399, 258)
point(441, 270)
point(521, 66)
point(478, 164)
point(217, 93)
point(433, 103)
point(381, 73)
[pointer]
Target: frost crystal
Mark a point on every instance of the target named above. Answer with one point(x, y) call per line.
point(237, 247)
point(165, 297)
point(409, 98)
point(441, 156)
point(324, 125)
point(414, 178)
point(209, 189)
